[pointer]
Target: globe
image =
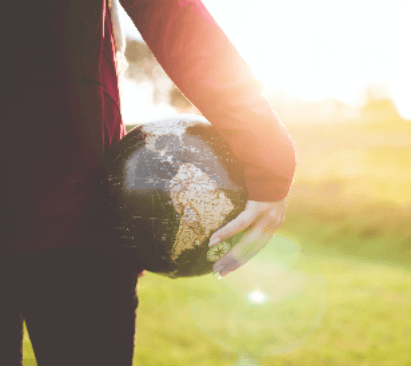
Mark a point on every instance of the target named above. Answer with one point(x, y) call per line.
point(167, 186)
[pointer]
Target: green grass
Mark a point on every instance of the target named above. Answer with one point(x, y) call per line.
point(350, 208)
point(366, 322)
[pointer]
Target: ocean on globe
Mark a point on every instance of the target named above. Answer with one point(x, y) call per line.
point(168, 185)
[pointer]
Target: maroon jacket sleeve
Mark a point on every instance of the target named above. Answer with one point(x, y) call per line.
point(207, 68)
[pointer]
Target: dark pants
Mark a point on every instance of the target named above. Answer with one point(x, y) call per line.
point(79, 305)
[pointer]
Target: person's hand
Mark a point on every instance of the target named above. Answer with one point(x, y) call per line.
point(262, 220)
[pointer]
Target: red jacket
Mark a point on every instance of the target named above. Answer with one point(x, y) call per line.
point(63, 107)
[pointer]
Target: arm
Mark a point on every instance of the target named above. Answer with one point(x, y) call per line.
point(207, 68)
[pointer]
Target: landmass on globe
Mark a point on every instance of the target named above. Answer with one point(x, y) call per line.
point(202, 207)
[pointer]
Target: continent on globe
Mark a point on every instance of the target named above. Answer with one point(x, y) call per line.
point(202, 207)
point(167, 187)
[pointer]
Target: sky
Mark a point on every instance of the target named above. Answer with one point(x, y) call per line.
point(322, 48)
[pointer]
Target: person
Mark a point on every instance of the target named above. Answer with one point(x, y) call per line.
point(62, 112)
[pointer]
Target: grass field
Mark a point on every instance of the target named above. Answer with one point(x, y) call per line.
point(350, 208)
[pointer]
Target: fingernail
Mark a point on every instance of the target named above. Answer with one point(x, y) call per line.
point(213, 241)
point(218, 269)
point(224, 273)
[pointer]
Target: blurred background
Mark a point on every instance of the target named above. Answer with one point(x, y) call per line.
point(338, 74)
point(318, 60)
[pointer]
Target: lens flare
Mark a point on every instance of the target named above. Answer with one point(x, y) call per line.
point(257, 296)
point(269, 306)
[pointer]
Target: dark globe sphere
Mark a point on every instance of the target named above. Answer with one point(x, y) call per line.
point(168, 186)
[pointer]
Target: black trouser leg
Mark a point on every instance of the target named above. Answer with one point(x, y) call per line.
point(80, 306)
point(11, 321)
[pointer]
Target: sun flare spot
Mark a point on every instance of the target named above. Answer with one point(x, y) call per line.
point(257, 297)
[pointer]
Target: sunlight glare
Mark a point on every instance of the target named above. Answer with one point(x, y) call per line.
point(257, 296)
point(322, 49)
point(137, 104)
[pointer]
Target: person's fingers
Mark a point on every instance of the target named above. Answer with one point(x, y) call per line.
point(251, 245)
point(232, 259)
point(270, 221)
point(252, 242)
point(232, 265)
point(283, 217)
point(227, 265)
point(261, 219)
point(235, 266)
point(242, 250)
point(242, 253)
point(237, 225)
point(248, 217)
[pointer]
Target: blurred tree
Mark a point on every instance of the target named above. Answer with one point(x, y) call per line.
point(143, 66)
